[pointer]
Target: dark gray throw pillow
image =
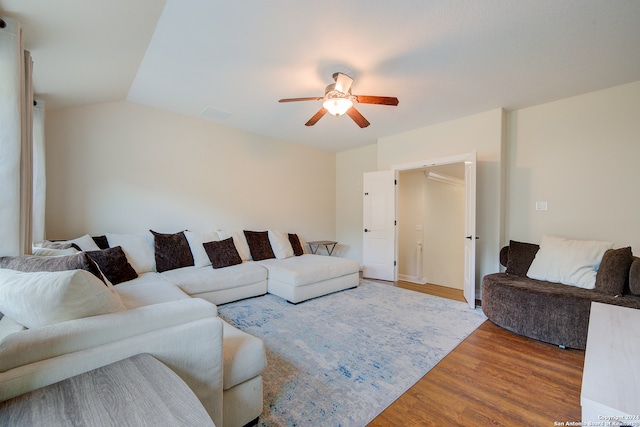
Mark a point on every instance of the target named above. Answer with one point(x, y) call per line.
point(101, 241)
point(521, 256)
point(613, 274)
point(48, 244)
point(30, 263)
point(259, 245)
point(114, 264)
point(171, 251)
point(222, 253)
point(634, 277)
point(295, 244)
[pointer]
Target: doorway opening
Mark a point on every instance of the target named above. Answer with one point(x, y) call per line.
point(380, 210)
point(431, 225)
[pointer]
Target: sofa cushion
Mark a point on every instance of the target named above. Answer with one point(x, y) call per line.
point(28, 263)
point(138, 248)
point(42, 298)
point(148, 289)
point(171, 251)
point(101, 241)
point(280, 244)
point(634, 277)
point(239, 241)
point(520, 257)
point(196, 280)
point(259, 245)
point(296, 245)
point(222, 253)
point(244, 356)
point(613, 275)
point(114, 264)
point(200, 257)
point(85, 243)
point(9, 326)
point(308, 268)
point(566, 261)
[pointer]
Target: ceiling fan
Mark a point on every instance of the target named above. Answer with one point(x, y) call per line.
point(338, 100)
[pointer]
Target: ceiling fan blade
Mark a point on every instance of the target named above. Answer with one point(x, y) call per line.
point(357, 117)
point(380, 100)
point(317, 116)
point(343, 82)
point(315, 98)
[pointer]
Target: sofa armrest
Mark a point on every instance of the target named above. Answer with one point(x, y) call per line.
point(36, 344)
point(185, 335)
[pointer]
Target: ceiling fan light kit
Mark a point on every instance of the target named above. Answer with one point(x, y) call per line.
point(338, 100)
point(337, 106)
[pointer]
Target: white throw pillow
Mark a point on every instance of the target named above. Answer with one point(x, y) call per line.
point(280, 244)
point(571, 262)
point(239, 241)
point(86, 243)
point(138, 248)
point(200, 257)
point(41, 298)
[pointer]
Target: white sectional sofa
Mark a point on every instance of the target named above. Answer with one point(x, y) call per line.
point(168, 310)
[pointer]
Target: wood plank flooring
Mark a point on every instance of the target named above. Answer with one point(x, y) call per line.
point(493, 378)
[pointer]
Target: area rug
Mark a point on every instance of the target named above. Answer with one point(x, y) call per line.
point(340, 359)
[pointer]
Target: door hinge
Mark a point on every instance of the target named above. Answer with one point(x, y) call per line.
point(366, 194)
point(395, 182)
point(395, 222)
point(394, 263)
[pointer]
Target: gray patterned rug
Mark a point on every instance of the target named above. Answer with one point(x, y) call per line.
point(339, 360)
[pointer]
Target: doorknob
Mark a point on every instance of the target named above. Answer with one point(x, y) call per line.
point(366, 230)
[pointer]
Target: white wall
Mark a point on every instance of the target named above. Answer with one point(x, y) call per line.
point(350, 167)
point(123, 167)
point(580, 155)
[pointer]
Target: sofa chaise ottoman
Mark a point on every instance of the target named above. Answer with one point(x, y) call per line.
point(307, 276)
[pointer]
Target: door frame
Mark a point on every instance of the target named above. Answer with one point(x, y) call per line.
point(439, 161)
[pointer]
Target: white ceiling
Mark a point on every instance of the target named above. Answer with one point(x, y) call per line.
point(230, 61)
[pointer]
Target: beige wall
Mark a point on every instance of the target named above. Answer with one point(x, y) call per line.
point(580, 155)
point(123, 167)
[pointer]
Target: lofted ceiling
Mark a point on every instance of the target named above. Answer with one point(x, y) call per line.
point(231, 61)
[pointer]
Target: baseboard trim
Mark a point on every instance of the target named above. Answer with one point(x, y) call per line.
point(412, 279)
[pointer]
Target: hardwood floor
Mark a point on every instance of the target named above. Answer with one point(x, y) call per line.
point(493, 378)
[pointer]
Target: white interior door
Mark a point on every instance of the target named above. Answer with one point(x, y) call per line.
point(470, 230)
point(379, 223)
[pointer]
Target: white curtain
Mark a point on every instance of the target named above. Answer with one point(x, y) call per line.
point(39, 172)
point(16, 128)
